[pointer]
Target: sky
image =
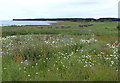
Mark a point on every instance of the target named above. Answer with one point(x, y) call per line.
point(13, 9)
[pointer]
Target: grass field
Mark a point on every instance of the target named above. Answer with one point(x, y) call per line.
point(63, 51)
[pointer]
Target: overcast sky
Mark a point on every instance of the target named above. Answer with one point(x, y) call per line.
point(10, 9)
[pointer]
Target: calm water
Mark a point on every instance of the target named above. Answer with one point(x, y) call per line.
point(19, 23)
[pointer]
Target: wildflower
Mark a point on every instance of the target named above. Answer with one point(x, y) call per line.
point(21, 62)
point(26, 62)
point(53, 41)
point(111, 55)
point(112, 62)
point(29, 75)
point(37, 73)
point(24, 67)
point(64, 57)
point(108, 44)
point(94, 50)
point(63, 65)
point(102, 53)
point(36, 64)
point(77, 50)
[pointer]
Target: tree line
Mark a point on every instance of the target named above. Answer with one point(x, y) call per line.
point(69, 19)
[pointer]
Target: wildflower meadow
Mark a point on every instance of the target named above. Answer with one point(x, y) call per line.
point(62, 51)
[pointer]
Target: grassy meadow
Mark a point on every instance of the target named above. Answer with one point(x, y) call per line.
point(62, 51)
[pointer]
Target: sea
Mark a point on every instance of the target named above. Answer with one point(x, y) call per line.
point(21, 23)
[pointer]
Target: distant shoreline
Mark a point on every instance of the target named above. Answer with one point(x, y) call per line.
point(69, 19)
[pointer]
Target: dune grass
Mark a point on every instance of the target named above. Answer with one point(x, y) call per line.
point(60, 54)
